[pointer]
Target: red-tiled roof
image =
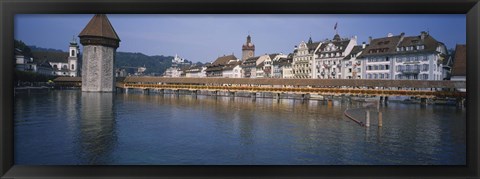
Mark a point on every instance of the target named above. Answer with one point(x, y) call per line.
point(460, 61)
point(99, 26)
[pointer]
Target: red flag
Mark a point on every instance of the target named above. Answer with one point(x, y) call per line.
point(335, 28)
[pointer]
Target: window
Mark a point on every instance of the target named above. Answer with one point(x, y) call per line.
point(387, 67)
point(386, 59)
point(376, 67)
point(94, 49)
point(369, 76)
point(73, 66)
point(387, 75)
point(350, 70)
point(375, 76)
point(72, 53)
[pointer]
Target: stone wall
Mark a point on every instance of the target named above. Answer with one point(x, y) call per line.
point(98, 68)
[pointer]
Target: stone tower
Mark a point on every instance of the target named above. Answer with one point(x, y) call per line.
point(248, 49)
point(100, 42)
point(73, 58)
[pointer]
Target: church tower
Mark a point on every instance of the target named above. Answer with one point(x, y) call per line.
point(100, 43)
point(73, 58)
point(248, 49)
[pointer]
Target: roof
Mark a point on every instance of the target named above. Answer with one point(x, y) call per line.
point(252, 61)
point(68, 79)
point(99, 26)
point(430, 44)
point(382, 46)
point(312, 46)
point(283, 62)
point(355, 50)
point(272, 56)
point(313, 82)
point(460, 61)
point(55, 57)
point(342, 45)
point(232, 65)
point(224, 60)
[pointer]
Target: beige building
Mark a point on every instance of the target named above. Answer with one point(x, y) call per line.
point(303, 59)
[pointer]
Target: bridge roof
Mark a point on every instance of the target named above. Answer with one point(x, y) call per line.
point(303, 82)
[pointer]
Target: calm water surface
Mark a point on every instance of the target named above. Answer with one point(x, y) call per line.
point(71, 128)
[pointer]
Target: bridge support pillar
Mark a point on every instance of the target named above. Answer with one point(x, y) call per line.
point(277, 96)
point(423, 101)
point(253, 96)
point(460, 102)
point(232, 94)
point(146, 91)
point(126, 90)
point(385, 100)
point(162, 91)
point(380, 120)
point(305, 96)
point(329, 102)
point(367, 118)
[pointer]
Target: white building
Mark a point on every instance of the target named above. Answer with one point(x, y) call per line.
point(173, 72)
point(63, 63)
point(405, 58)
point(196, 72)
point(351, 66)
point(303, 59)
point(177, 60)
point(233, 69)
point(329, 57)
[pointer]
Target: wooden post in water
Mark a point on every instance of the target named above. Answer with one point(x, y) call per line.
point(367, 119)
point(380, 120)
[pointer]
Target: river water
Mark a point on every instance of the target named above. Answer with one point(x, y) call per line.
point(68, 127)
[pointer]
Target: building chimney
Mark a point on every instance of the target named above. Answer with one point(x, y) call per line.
point(364, 45)
point(370, 39)
point(423, 34)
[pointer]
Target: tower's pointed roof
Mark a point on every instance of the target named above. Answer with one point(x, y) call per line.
point(99, 26)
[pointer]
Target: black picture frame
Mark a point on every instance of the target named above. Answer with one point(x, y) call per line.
point(8, 9)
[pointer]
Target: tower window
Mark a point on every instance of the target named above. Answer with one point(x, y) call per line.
point(73, 66)
point(72, 53)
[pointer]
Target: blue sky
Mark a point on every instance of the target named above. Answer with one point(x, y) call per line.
point(206, 37)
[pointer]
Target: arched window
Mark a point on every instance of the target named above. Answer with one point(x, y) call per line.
point(55, 66)
point(65, 67)
point(72, 53)
point(73, 66)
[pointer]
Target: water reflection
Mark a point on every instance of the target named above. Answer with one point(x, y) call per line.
point(98, 134)
point(97, 128)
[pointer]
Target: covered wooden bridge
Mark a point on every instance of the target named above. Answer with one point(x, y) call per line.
point(414, 88)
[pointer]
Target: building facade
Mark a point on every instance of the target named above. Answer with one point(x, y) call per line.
point(329, 57)
point(303, 59)
point(405, 58)
point(352, 66)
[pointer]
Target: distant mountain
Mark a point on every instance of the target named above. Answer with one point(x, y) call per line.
point(35, 48)
point(154, 64)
